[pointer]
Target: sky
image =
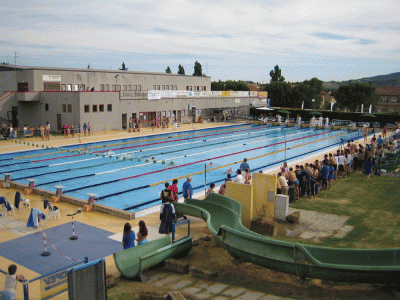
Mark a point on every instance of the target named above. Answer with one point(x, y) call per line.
point(232, 40)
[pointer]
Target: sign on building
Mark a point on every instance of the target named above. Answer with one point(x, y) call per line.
point(55, 78)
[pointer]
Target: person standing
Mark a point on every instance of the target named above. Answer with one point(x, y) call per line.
point(174, 190)
point(72, 130)
point(130, 125)
point(187, 188)
point(88, 128)
point(41, 129)
point(84, 129)
point(167, 217)
point(128, 239)
point(47, 129)
point(165, 192)
point(244, 165)
point(10, 285)
point(283, 184)
point(368, 168)
point(324, 175)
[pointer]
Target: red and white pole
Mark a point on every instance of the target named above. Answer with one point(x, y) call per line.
point(45, 253)
point(73, 237)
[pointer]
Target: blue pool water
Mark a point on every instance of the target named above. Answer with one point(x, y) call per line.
point(124, 175)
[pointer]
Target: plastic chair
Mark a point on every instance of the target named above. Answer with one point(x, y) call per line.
point(54, 211)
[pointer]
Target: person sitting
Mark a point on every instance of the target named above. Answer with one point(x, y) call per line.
point(142, 234)
point(239, 177)
point(247, 176)
point(211, 189)
point(128, 240)
point(222, 189)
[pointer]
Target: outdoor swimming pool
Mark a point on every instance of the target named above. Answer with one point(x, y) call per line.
point(124, 175)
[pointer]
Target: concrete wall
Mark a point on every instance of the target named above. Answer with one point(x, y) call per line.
point(263, 185)
point(94, 78)
point(242, 193)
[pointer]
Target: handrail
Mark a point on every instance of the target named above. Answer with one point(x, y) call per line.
point(173, 230)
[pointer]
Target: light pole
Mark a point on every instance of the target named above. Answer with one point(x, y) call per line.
point(116, 81)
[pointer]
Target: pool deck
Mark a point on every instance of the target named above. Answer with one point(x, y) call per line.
point(14, 226)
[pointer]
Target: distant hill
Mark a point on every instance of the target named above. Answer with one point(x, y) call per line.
point(380, 80)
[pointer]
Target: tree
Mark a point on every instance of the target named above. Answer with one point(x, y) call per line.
point(280, 93)
point(123, 68)
point(229, 85)
point(354, 94)
point(276, 75)
point(181, 70)
point(168, 70)
point(197, 69)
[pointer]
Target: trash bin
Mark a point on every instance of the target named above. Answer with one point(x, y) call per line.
point(292, 194)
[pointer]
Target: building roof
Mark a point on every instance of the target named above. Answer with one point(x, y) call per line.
point(388, 91)
point(14, 67)
point(254, 87)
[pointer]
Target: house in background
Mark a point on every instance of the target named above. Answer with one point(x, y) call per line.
point(389, 99)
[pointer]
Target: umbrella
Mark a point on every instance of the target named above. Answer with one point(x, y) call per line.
point(315, 113)
point(264, 108)
point(284, 112)
point(368, 115)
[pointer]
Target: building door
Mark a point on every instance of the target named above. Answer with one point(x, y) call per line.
point(22, 87)
point(143, 119)
point(124, 121)
point(59, 122)
point(14, 116)
point(179, 117)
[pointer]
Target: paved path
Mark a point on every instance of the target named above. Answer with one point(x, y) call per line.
point(202, 289)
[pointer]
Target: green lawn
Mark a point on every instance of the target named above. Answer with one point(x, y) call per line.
point(373, 207)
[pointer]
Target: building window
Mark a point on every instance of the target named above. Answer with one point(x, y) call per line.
point(183, 113)
point(94, 108)
point(63, 88)
point(101, 107)
point(109, 107)
point(82, 87)
point(163, 87)
point(118, 87)
point(187, 88)
point(139, 87)
point(69, 87)
point(76, 87)
point(167, 87)
point(176, 88)
point(46, 107)
point(124, 87)
point(87, 108)
point(113, 88)
point(154, 87)
point(205, 88)
point(51, 86)
point(158, 87)
point(129, 88)
point(64, 108)
point(107, 87)
point(70, 108)
point(101, 87)
point(135, 87)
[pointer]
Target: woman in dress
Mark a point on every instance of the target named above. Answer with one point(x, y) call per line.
point(142, 234)
point(167, 216)
point(128, 239)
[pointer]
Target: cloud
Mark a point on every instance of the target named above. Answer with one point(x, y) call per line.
point(287, 31)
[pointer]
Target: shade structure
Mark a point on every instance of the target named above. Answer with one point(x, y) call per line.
point(284, 112)
point(264, 108)
point(315, 113)
point(368, 115)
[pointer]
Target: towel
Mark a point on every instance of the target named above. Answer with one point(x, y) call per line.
point(5, 202)
point(17, 199)
point(34, 218)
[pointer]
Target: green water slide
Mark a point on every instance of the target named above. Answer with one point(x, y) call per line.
point(130, 262)
point(223, 218)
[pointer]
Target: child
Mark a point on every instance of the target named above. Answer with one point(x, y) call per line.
point(128, 240)
point(142, 234)
point(10, 285)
